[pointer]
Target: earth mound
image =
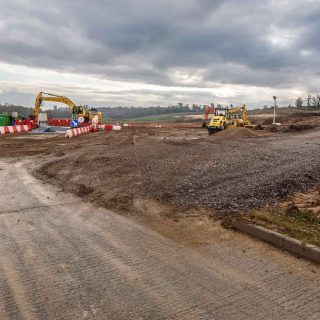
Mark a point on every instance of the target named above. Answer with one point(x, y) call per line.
point(240, 132)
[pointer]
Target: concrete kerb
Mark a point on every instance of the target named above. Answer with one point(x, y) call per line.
point(287, 243)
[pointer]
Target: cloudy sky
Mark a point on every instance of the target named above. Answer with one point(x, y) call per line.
point(150, 52)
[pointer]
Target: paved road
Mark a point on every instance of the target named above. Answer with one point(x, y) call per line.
point(62, 259)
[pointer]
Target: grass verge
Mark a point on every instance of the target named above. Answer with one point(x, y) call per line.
point(303, 225)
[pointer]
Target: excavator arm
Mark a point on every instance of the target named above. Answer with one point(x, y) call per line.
point(208, 110)
point(54, 98)
point(243, 112)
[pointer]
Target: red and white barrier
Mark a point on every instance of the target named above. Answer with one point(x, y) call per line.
point(15, 129)
point(109, 127)
point(77, 131)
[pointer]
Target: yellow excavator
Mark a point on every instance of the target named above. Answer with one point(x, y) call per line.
point(77, 111)
point(239, 116)
point(228, 118)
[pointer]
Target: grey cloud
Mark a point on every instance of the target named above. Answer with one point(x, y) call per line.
point(144, 41)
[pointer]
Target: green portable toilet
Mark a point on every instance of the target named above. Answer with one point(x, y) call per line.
point(4, 119)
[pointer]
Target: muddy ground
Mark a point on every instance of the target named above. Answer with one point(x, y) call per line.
point(171, 169)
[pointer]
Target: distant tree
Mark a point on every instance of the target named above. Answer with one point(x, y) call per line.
point(195, 107)
point(299, 103)
point(308, 100)
point(315, 101)
point(265, 107)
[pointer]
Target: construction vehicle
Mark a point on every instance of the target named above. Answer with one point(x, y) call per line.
point(239, 116)
point(228, 118)
point(220, 120)
point(208, 110)
point(77, 111)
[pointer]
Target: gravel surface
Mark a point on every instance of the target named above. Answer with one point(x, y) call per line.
point(189, 168)
point(250, 173)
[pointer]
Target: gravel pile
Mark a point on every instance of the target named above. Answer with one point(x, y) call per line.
point(252, 175)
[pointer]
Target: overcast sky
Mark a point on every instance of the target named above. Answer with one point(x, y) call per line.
point(150, 52)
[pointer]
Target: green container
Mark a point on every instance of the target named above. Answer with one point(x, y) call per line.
point(4, 119)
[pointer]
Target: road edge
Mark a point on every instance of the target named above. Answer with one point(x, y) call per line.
point(287, 243)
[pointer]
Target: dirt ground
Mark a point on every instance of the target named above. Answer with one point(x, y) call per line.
point(62, 258)
point(166, 169)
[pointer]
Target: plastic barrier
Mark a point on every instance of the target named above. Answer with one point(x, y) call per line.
point(77, 131)
point(66, 123)
point(32, 123)
point(15, 129)
point(109, 127)
point(83, 130)
point(59, 122)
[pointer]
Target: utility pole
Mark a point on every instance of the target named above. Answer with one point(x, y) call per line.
point(274, 109)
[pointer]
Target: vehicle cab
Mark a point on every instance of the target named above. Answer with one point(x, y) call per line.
point(217, 123)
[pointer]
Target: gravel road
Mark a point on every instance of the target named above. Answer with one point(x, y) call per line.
point(65, 259)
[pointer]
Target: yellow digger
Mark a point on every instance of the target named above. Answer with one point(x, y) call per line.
point(239, 116)
point(228, 118)
point(77, 111)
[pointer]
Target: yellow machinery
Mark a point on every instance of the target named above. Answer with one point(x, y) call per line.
point(218, 123)
point(77, 111)
point(220, 120)
point(239, 116)
point(228, 118)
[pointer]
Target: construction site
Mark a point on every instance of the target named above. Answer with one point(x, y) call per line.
point(186, 182)
point(159, 160)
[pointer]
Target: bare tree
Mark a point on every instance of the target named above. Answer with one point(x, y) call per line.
point(299, 103)
point(313, 101)
point(316, 101)
point(309, 99)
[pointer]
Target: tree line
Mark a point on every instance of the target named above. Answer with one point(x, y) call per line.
point(310, 101)
point(109, 112)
